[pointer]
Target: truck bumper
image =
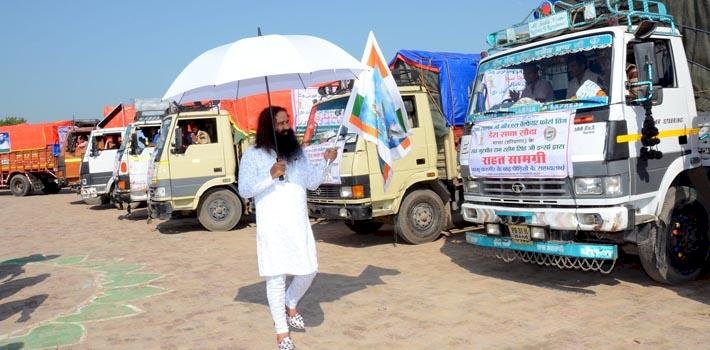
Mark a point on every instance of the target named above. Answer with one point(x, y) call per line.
point(340, 212)
point(160, 210)
point(604, 219)
point(569, 249)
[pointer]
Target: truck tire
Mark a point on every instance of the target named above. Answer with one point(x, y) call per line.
point(20, 186)
point(50, 188)
point(676, 248)
point(363, 227)
point(220, 210)
point(421, 217)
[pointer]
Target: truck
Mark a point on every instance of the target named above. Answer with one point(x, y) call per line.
point(98, 163)
point(426, 188)
point(614, 161)
point(198, 178)
point(70, 156)
point(130, 173)
point(30, 157)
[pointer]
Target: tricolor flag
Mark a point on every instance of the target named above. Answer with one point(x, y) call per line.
point(376, 111)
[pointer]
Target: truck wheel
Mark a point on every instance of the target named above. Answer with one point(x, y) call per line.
point(51, 188)
point(221, 210)
point(676, 249)
point(363, 227)
point(20, 186)
point(421, 217)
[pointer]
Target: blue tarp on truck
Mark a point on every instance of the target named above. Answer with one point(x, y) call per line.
point(451, 74)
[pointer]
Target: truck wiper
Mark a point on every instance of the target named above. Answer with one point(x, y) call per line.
point(498, 111)
point(570, 101)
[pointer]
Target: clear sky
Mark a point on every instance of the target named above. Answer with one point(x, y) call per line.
point(60, 58)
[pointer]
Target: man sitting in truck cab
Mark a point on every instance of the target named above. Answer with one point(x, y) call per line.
point(580, 73)
point(199, 136)
point(535, 88)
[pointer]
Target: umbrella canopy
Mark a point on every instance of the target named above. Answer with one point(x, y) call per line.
point(238, 69)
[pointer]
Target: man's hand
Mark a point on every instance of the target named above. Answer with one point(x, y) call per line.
point(278, 169)
point(330, 154)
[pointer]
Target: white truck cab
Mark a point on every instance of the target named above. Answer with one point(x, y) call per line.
point(98, 163)
point(596, 148)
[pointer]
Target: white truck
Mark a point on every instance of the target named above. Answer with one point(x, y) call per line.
point(98, 163)
point(598, 160)
point(132, 161)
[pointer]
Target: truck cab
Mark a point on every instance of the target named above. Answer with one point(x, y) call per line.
point(98, 163)
point(608, 161)
point(424, 185)
point(200, 178)
point(72, 152)
point(133, 159)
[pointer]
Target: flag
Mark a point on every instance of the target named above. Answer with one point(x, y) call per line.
point(376, 111)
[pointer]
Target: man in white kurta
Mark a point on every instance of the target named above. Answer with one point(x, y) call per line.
point(284, 238)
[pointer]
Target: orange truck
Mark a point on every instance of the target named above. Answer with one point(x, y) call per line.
point(29, 155)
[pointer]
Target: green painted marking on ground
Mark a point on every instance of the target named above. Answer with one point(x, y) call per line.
point(49, 335)
point(119, 268)
point(98, 312)
point(69, 260)
point(130, 279)
point(127, 294)
point(93, 264)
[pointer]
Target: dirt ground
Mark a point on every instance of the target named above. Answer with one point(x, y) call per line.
point(83, 277)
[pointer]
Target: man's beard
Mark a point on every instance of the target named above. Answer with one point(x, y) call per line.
point(287, 144)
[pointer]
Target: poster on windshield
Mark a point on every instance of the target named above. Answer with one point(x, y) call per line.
point(315, 156)
point(498, 83)
point(534, 145)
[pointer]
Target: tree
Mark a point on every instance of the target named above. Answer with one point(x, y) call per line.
point(12, 121)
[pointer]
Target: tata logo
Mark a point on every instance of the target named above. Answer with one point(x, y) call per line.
point(317, 191)
point(518, 187)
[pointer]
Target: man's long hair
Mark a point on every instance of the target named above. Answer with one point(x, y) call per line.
point(286, 141)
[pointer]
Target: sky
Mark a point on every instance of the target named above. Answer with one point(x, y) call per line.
point(61, 59)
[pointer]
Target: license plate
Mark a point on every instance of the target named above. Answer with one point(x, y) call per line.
point(520, 233)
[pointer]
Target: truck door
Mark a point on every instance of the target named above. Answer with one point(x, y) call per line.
point(101, 163)
point(669, 115)
point(201, 158)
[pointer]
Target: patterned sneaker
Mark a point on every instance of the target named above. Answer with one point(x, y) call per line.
point(296, 321)
point(287, 344)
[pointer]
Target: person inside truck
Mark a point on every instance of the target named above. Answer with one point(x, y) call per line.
point(81, 143)
point(110, 143)
point(579, 73)
point(186, 136)
point(535, 88)
point(199, 136)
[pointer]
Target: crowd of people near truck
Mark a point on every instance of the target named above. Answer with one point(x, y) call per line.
point(575, 138)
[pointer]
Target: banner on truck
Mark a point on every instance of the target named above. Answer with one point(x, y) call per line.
point(4, 142)
point(532, 145)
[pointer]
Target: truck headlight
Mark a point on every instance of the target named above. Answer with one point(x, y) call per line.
point(588, 185)
point(471, 186)
point(355, 191)
point(612, 185)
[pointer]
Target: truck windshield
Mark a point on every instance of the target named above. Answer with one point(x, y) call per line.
point(324, 122)
point(570, 74)
point(164, 131)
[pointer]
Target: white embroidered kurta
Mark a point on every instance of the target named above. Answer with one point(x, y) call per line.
point(284, 238)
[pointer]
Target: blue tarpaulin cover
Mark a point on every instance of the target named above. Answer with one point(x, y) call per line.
point(456, 72)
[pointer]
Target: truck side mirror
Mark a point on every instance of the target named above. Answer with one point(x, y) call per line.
point(134, 144)
point(94, 149)
point(177, 143)
point(643, 89)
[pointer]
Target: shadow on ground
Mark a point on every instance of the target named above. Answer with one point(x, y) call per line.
point(335, 232)
point(327, 287)
point(10, 270)
point(628, 269)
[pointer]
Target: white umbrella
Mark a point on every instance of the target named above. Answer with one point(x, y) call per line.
point(240, 69)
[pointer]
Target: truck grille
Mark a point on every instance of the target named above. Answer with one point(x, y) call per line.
point(526, 187)
point(325, 191)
